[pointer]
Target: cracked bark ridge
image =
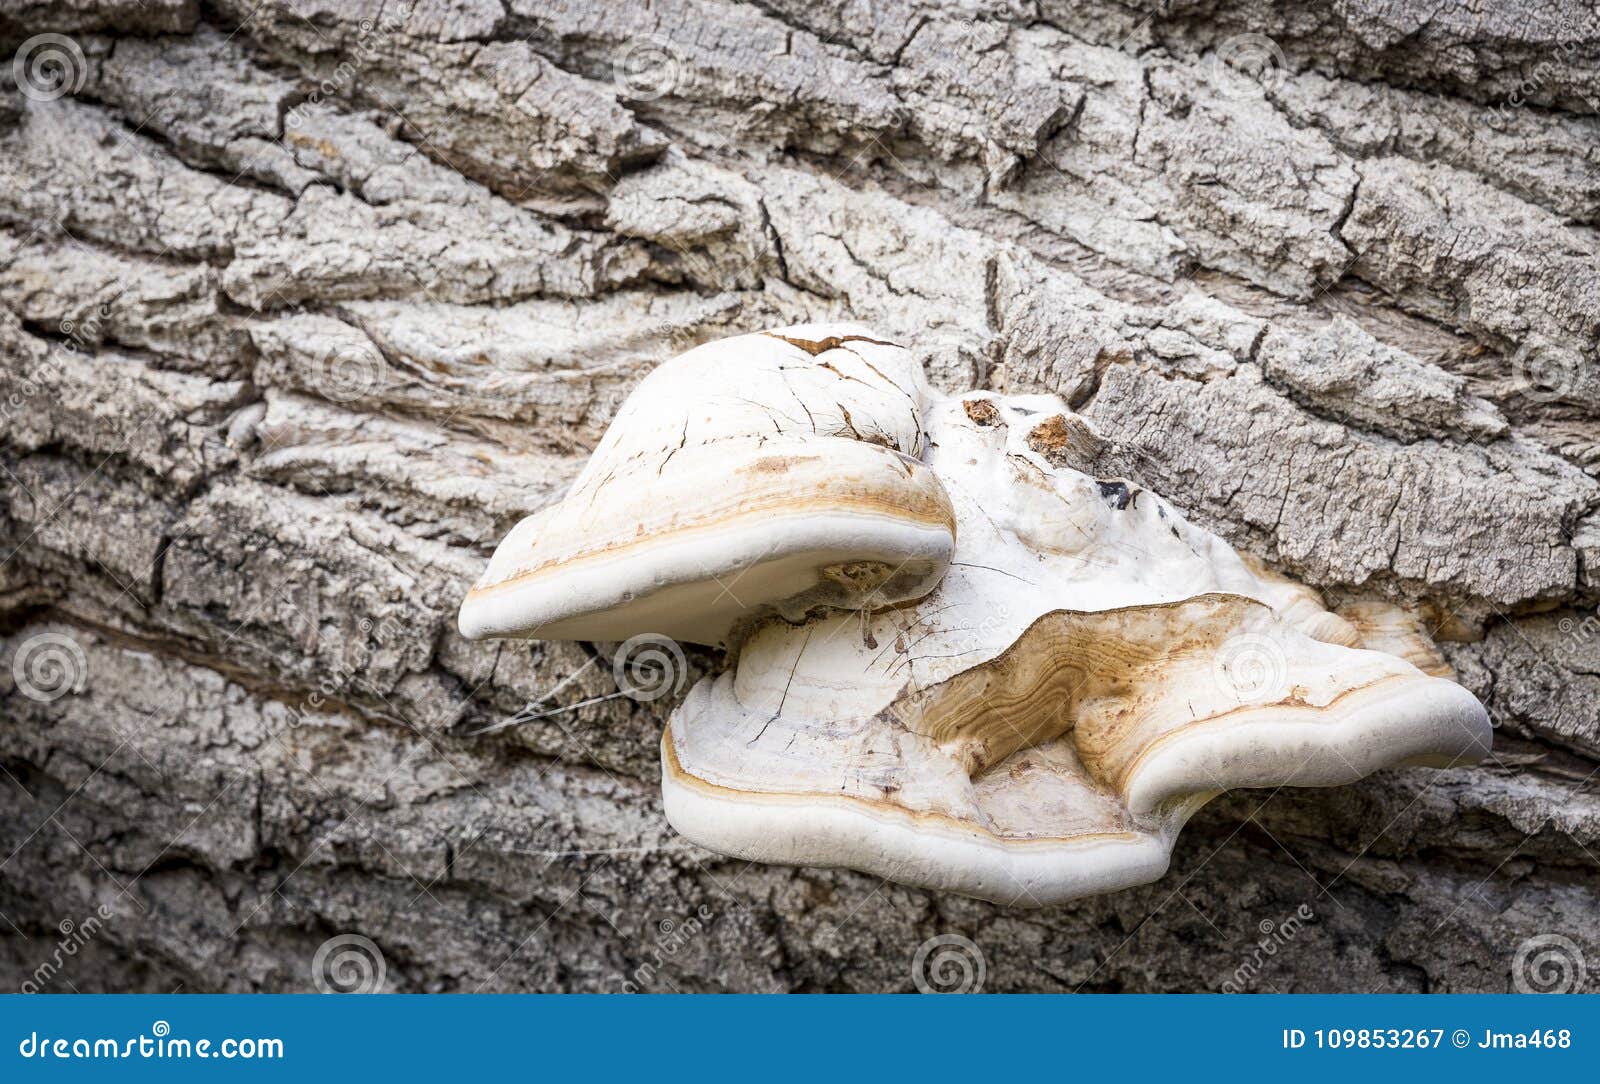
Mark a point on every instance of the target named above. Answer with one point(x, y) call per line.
point(304, 304)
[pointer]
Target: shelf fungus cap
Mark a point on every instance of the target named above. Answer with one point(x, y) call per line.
point(774, 474)
point(1091, 670)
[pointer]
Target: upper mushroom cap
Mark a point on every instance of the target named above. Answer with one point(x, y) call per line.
point(1091, 670)
point(776, 473)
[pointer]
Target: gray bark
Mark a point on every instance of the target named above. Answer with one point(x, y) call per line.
point(303, 305)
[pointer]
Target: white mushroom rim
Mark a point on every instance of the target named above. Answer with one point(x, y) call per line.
point(967, 650)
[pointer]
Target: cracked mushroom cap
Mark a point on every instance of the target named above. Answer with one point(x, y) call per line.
point(1091, 671)
point(776, 473)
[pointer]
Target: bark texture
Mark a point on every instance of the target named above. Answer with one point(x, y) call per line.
point(304, 303)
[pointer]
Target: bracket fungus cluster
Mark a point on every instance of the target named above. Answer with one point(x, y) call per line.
point(966, 650)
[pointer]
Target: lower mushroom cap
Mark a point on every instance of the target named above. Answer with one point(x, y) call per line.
point(726, 533)
point(833, 831)
point(1090, 671)
point(1039, 827)
point(1427, 722)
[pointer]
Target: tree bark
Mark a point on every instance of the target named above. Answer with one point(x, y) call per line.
point(303, 305)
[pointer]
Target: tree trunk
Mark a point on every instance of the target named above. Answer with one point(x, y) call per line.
point(303, 305)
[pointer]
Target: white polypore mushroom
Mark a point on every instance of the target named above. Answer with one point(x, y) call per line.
point(776, 473)
point(969, 652)
point(1091, 670)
